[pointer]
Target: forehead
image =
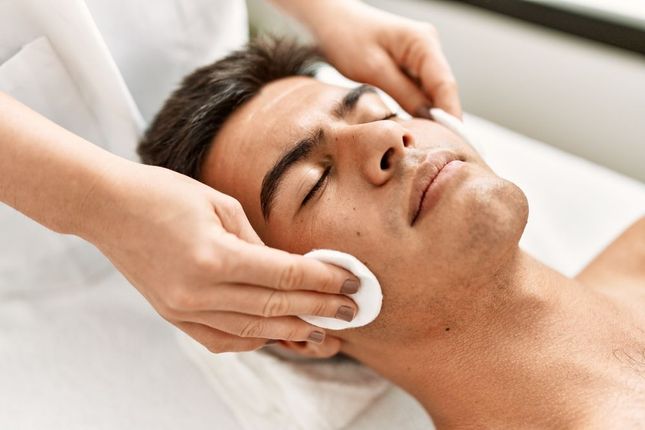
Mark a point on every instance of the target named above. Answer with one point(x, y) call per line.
point(260, 131)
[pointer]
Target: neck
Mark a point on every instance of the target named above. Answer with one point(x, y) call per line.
point(523, 355)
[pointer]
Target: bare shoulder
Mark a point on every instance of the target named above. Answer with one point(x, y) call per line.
point(621, 264)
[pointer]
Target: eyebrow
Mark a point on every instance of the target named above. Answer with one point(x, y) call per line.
point(303, 148)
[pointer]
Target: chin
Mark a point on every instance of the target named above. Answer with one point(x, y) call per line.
point(478, 225)
point(500, 212)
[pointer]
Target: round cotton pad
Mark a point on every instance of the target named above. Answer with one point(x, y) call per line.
point(453, 124)
point(368, 298)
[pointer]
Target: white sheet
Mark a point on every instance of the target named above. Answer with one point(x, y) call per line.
point(79, 348)
point(288, 392)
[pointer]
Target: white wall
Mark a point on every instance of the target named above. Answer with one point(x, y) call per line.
point(580, 96)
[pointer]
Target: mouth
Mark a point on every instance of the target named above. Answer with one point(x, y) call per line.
point(426, 174)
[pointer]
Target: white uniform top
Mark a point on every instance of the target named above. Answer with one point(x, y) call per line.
point(102, 68)
point(99, 68)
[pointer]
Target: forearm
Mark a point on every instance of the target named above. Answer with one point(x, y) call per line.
point(47, 172)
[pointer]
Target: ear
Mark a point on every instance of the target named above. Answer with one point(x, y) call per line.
point(328, 348)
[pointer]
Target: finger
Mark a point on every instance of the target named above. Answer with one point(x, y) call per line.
point(217, 341)
point(424, 59)
point(269, 302)
point(249, 326)
point(273, 268)
point(397, 84)
point(233, 218)
point(246, 232)
point(438, 81)
point(330, 347)
point(445, 95)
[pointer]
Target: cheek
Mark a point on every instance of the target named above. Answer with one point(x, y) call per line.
point(343, 223)
point(335, 224)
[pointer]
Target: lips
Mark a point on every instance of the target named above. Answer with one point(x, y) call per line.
point(425, 174)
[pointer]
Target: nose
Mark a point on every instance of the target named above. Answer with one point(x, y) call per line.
point(374, 149)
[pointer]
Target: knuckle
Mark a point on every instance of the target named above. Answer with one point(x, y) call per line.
point(429, 29)
point(239, 345)
point(206, 260)
point(180, 299)
point(216, 266)
point(277, 304)
point(451, 84)
point(252, 329)
point(237, 207)
point(328, 280)
point(201, 258)
point(372, 65)
point(321, 308)
point(216, 347)
point(231, 206)
point(247, 345)
point(448, 83)
point(295, 334)
point(167, 312)
point(291, 277)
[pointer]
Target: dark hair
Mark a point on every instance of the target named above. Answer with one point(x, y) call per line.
point(182, 131)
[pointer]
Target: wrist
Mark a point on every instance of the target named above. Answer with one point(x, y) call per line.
point(102, 199)
point(55, 177)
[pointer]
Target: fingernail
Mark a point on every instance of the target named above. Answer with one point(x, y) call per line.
point(316, 336)
point(350, 286)
point(345, 313)
point(423, 112)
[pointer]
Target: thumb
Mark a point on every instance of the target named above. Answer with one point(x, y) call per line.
point(391, 79)
point(234, 220)
point(246, 232)
point(443, 88)
point(268, 267)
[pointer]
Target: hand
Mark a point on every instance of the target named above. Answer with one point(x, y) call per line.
point(401, 56)
point(192, 253)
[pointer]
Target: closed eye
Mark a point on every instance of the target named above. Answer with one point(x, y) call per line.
point(323, 177)
point(316, 187)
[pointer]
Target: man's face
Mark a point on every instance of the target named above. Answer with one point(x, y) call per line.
point(356, 179)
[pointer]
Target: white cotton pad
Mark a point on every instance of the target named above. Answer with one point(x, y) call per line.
point(368, 298)
point(455, 125)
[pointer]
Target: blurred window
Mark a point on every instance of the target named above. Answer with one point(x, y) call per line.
point(619, 23)
point(625, 12)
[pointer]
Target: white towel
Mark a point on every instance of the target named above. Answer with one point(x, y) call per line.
point(266, 391)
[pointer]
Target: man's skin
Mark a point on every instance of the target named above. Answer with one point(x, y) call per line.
point(482, 334)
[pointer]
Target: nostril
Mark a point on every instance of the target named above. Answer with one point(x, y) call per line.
point(385, 160)
point(406, 140)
